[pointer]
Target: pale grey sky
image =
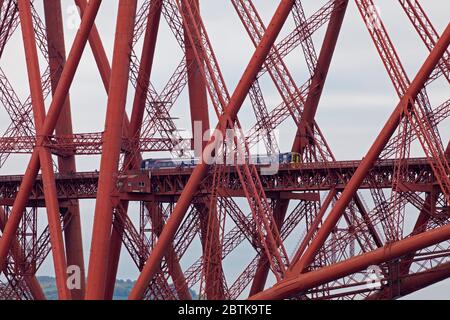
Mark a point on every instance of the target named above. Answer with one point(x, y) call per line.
point(357, 100)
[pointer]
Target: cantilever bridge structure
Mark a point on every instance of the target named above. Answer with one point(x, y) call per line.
point(376, 228)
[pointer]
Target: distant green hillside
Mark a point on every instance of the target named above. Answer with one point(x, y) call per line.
point(122, 290)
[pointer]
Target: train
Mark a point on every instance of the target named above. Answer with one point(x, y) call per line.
point(167, 163)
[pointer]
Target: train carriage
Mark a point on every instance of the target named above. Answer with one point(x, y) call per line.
point(259, 160)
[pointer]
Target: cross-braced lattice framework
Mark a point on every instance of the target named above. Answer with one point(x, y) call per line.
point(316, 202)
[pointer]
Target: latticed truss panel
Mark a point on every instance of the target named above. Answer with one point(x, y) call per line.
point(221, 208)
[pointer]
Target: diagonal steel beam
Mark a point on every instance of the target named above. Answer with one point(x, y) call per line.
point(57, 59)
point(51, 200)
point(374, 152)
point(117, 95)
point(200, 171)
point(47, 128)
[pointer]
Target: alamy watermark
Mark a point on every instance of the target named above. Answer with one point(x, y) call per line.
point(73, 277)
point(374, 277)
point(230, 147)
point(73, 20)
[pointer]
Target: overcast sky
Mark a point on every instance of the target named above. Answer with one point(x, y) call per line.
point(357, 100)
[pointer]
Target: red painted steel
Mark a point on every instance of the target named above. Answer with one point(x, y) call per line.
point(51, 200)
point(109, 167)
point(57, 58)
point(375, 150)
point(200, 171)
point(346, 217)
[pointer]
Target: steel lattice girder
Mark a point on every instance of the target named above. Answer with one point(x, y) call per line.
point(169, 183)
point(343, 234)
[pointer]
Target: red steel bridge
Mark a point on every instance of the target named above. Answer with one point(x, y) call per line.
point(318, 228)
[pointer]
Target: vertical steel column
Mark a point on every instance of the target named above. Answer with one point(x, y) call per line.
point(198, 99)
point(48, 176)
point(133, 159)
point(309, 113)
point(200, 171)
point(98, 263)
point(212, 252)
point(198, 102)
point(374, 152)
point(105, 72)
point(57, 56)
point(48, 127)
point(320, 75)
